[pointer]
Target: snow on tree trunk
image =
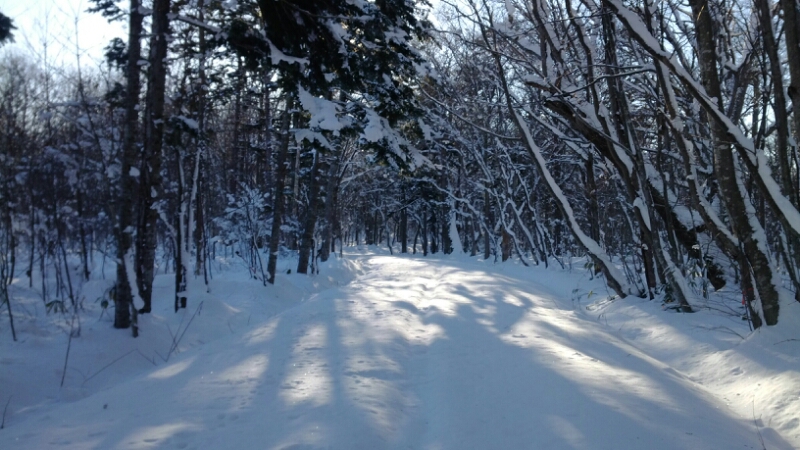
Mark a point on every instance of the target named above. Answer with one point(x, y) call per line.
point(726, 136)
point(151, 178)
point(126, 214)
point(455, 240)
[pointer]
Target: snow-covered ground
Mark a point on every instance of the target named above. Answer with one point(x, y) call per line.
point(404, 352)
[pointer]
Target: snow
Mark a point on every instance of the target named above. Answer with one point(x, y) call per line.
point(230, 5)
point(455, 240)
point(277, 56)
point(638, 203)
point(414, 352)
point(324, 113)
point(198, 23)
point(376, 127)
point(340, 34)
point(427, 131)
point(396, 36)
point(189, 122)
point(309, 135)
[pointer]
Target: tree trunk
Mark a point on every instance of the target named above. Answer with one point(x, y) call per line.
point(198, 216)
point(278, 201)
point(631, 174)
point(781, 119)
point(123, 298)
point(730, 185)
point(404, 223)
point(487, 212)
point(150, 187)
point(199, 228)
point(594, 206)
point(791, 19)
point(506, 245)
point(307, 238)
point(434, 243)
point(331, 198)
point(180, 253)
point(82, 236)
point(423, 226)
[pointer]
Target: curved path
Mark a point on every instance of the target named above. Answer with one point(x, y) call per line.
point(414, 354)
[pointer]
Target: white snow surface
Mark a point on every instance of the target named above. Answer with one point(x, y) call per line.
point(324, 113)
point(401, 352)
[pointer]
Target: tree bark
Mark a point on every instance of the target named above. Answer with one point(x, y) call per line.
point(632, 172)
point(278, 197)
point(791, 19)
point(730, 186)
point(150, 187)
point(423, 227)
point(123, 298)
point(331, 200)
point(307, 238)
point(404, 223)
point(781, 120)
point(487, 212)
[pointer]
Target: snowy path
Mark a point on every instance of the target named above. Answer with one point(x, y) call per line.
point(415, 354)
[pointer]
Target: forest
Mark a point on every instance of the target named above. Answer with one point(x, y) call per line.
point(658, 139)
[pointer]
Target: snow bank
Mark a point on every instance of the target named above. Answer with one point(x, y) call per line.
point(381, 351)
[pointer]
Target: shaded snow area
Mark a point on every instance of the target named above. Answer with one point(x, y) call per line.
point(402, 352)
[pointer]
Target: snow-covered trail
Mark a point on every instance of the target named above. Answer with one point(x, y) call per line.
point(414, 354)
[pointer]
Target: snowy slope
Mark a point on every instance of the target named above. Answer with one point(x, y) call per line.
point(757, 374)
point(414, 353)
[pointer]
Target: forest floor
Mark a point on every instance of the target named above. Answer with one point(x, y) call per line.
point(400, 352)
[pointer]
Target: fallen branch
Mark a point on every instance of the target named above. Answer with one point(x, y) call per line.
point(721, 328)
point(69, 346)
point(176, 342)
point(3, 423)
point(104, 368)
